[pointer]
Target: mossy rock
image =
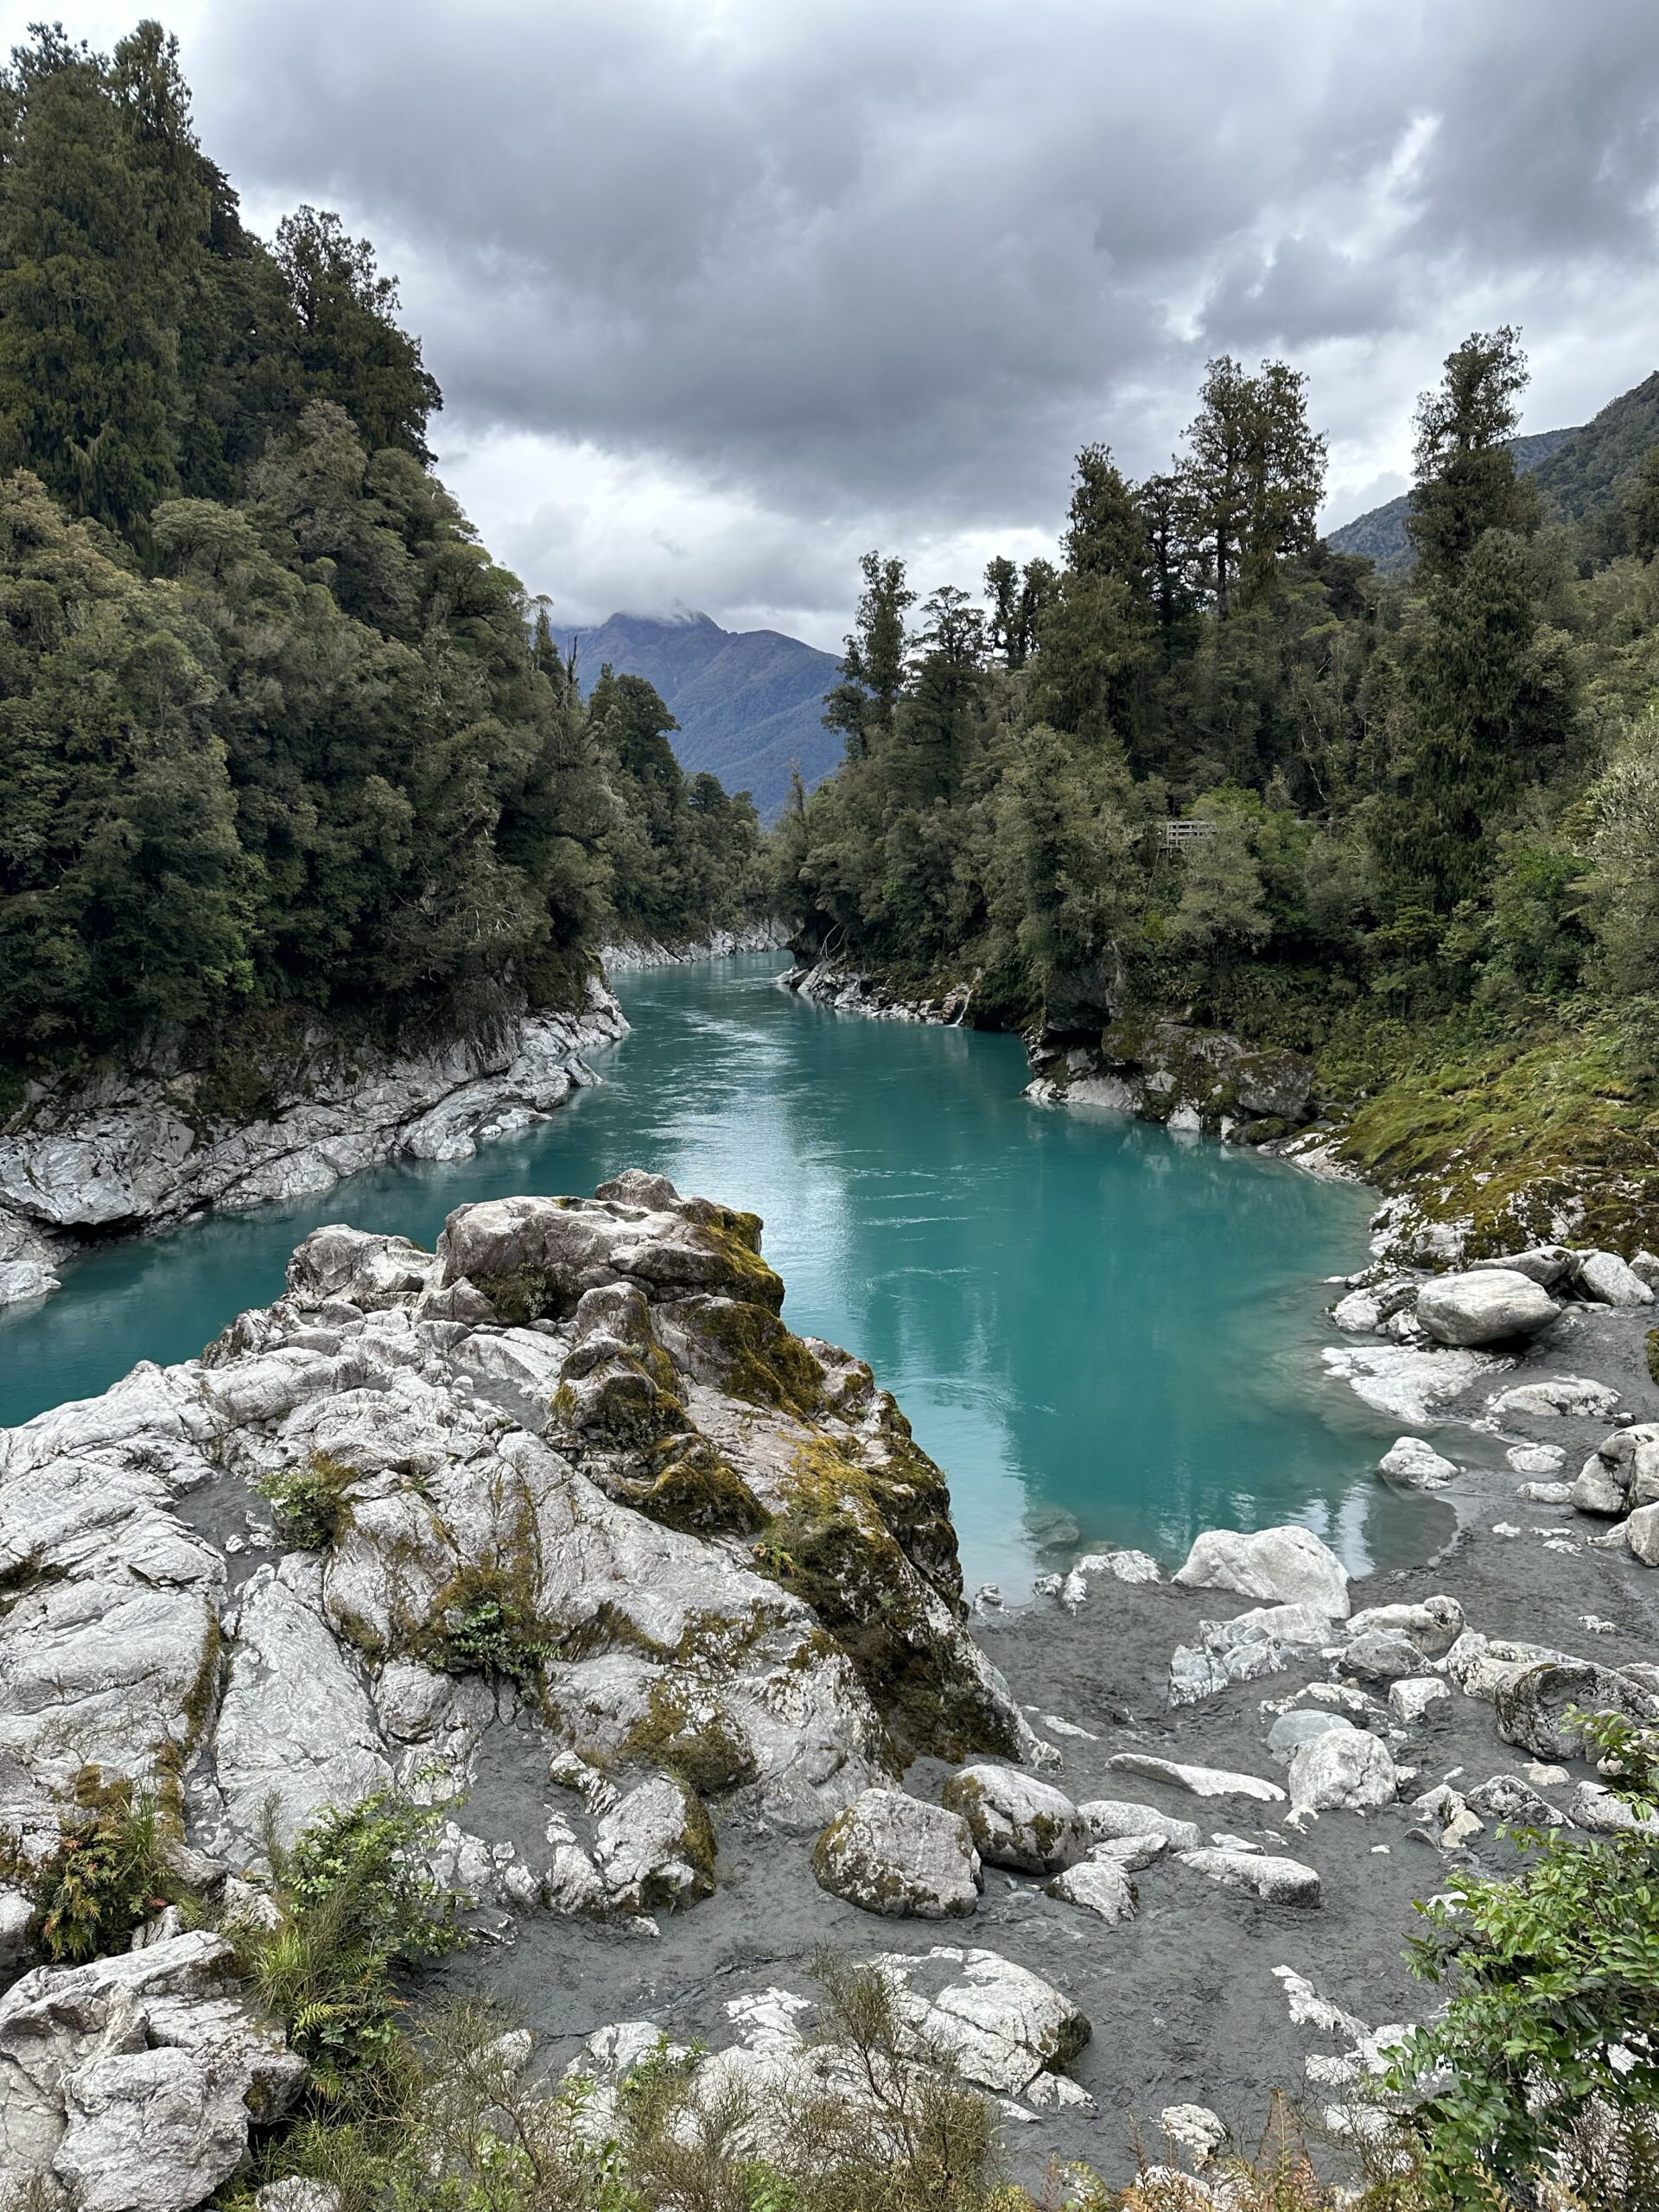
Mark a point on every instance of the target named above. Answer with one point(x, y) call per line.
point(701, 1749)
point(699, 1492)
point(736, 1238)
point(526, 1294)
point(1653, 1354)
point(754, 1356)
point(848, 1567)
point(619, 1406)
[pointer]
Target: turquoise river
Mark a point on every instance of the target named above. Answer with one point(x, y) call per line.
point(1103, 1332)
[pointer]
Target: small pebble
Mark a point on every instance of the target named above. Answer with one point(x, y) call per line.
point(1597, 1626)
point(1504, 1529)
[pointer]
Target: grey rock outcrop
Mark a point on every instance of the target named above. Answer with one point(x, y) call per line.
point(577, 1560)
point(1485, 1306)
point(891, 1853)
point(130, 2083)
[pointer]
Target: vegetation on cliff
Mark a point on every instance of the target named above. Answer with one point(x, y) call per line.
point(1418, 820)
point(275, 732)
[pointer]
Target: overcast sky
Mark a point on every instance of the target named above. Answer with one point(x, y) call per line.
point(722, 292)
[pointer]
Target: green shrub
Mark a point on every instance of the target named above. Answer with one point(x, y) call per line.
point(355, 1910)
point(490, 1626)
point(1549, 1976)
point(107, 1875)
point(310, 1503)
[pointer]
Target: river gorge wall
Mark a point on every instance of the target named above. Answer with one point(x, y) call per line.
point(136, 1150)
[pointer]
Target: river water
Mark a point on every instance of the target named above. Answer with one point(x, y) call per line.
point(1103, 1332)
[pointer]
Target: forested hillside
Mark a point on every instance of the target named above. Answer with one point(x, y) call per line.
point(1427, 846)
point(748, 703)
point(275, 733)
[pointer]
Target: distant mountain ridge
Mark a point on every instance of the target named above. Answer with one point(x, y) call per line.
point(749, 702)
point(1380, 535)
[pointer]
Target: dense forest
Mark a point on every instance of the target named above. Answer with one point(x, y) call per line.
point(277, 737)
point(1426, 811)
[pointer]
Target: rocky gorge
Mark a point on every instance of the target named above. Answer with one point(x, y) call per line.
point(561, 1530)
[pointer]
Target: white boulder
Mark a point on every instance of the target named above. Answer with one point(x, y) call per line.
point(894, 1854)
point(1411, 1702)
point(1003, 2023)
point(1198, 1781)
point(1275, 1881)
point(1411, 1463)
point(1606, 1278)
point(1100, 1886)
point(1283, 1566)
point(1112, 1819)
point(1344, 1770)
point(1574, 1395)
point(1015, 1820)
point(1486, 1306)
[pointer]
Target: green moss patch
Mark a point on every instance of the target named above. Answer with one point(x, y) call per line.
point(685, 1735)
point(758, 1359)
point(1510, 1135)
point(699, 1492)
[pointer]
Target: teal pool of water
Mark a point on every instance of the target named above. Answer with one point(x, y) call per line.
point(1104, 1333)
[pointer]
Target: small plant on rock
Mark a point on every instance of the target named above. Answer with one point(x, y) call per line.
point(356, 1908)
point(490, 1627)
point(107, 1875)
point(309, 1501)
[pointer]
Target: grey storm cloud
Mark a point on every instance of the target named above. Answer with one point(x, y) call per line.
point(897, 261)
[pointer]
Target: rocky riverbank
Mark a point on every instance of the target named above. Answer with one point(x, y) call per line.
point(141, 1151)
point(716, 944)
point(561, 1527)
point(851, 990)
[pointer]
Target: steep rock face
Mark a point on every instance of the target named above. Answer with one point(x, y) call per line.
point(572, 1476)
point(131, 1152)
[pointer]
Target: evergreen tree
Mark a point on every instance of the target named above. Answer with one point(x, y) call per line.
point(95, 202)
point(1466, 483)
point(351, 349)
point(872, 669)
